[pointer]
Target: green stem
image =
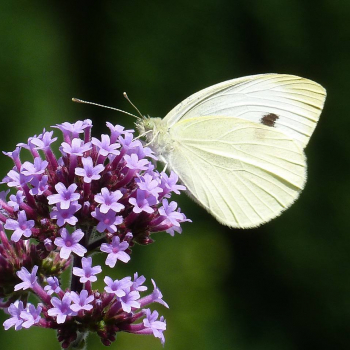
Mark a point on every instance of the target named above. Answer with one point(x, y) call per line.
point(75, 285)
point(79, 343)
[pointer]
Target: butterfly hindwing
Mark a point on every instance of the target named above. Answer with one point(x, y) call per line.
point(243, 173)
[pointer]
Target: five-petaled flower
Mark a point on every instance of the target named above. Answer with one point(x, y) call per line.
point(69, 243)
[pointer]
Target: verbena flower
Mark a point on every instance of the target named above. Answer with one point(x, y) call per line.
point(100, 195)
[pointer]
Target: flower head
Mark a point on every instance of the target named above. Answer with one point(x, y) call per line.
point(99, 195)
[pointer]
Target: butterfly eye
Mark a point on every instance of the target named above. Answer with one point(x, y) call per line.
point(148, 124)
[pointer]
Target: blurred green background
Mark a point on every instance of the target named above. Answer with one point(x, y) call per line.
point(283, 286)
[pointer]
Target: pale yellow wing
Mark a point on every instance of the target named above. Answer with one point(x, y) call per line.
point(242, 172)
point(293, 103)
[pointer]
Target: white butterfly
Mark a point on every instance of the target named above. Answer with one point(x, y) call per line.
point(238, 146)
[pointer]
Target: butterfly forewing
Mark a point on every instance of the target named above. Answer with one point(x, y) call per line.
point(295, 103)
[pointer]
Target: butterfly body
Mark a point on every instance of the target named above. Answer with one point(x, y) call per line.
point(238, 146)
point(157, 135)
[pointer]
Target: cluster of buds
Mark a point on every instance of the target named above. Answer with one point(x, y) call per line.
point(101, 195)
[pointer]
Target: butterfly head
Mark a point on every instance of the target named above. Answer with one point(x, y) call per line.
point(144, 125)
point(155, 132)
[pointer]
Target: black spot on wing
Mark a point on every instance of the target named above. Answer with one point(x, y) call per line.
point(269, 119)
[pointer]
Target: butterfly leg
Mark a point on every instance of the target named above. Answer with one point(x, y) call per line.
point(165, 167)
point(153, 138)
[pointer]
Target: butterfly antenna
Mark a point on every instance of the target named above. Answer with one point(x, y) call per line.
point(126, 96)
point(98, 105)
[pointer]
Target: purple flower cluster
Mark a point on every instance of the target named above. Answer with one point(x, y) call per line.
point(99, 196)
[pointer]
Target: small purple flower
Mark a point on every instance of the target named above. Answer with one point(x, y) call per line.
point(29, 279)
point(16, 200)
point(109, 200)
point(3, 195)
point(14, 155)
point(148, 184)
point(31, 146)
point(31, 315)
point(116, 131)
point(53, 286)
point(69, 243)
point(77, 148)
point(115, 251)
point(129, 300)
point(169, 184)
point(81, 301)
point(21, 226)
point(64, 195)
point(133, 162)
point(174, 229)
point(70, 130)
point(89, 171)
point(15, 179)
point(157, 295)
point(38, 168)
point(127, 142)
point(87, 273)
point(15, 310)
point(157, 327)
point(138, 283)
point(45, 141)
point(39, 185)
point(117, 287)
point(143, 152)
point(61, 308)
point(142, 202)
point(76, 128)
point(168, 211)
point(107, 221)
point(65, 216)
point(104, 146)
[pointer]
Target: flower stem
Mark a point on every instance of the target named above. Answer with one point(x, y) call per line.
point(75, 284)
point(79, 343)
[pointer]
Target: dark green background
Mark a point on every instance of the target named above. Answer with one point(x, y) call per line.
point(284, 286)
